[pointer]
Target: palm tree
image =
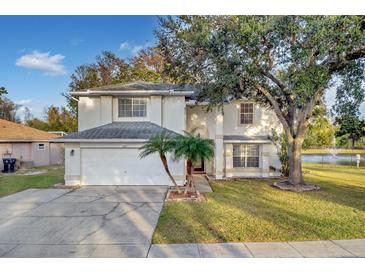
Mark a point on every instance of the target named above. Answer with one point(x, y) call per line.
point(161, 144)
point(193, 148)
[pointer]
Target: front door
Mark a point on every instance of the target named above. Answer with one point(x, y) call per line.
point(199, 166)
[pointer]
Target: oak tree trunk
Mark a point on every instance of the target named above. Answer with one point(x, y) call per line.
point(165, 165)
point(295, 161)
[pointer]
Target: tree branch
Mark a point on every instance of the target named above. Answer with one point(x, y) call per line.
point(306, 112)
point(280, 84)
point(277, 110)
point(311, 57)
point(339, 62)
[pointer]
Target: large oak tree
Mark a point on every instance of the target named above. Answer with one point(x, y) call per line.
point(283, 62)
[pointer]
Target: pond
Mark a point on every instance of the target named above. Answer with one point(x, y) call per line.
point(337, 159)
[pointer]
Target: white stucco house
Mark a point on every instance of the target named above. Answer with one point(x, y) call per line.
point(115, 121)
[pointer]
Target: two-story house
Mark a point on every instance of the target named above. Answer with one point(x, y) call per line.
point(115, 121)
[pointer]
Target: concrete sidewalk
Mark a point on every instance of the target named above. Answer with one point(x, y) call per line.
point(305, 249)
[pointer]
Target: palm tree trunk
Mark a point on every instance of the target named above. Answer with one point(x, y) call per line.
point(190, 181)
point(165, 165)
point(189, 169)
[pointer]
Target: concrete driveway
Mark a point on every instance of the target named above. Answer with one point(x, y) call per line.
point(115, 221)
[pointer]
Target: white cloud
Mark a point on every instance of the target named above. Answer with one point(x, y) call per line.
point(133, 49)
point(136, 49)
point(124, 46)
point(24, 102)
point(43, 61)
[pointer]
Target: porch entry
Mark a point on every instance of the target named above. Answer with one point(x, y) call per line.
point(199, 167)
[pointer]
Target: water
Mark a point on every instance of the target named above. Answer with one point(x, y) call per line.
point(336, 159)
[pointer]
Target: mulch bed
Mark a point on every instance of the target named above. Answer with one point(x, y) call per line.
point(173, 196)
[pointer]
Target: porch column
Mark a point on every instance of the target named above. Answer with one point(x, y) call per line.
point(265, 160)
point(219, 150)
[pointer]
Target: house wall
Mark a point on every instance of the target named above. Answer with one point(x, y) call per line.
point(263, 121)
point(106, 110)
point(212, 125)
point(51, 155)
point(166, 111)
point(57, 154)
point(40, 157)
point(204, 121)
point(173, 113)
point(89, 112)
point(72, 164)
point(156, 110)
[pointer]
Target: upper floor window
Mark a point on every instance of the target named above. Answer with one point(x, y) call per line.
point(246, 113)
point(132, 107)
point(246, 155)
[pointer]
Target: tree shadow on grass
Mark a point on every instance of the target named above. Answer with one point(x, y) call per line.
point(259, 204)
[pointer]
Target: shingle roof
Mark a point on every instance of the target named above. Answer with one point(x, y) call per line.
point(140, 85)
point(121, 130)
point(17, 132)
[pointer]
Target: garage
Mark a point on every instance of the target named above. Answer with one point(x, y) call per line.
point(100, 166)
point(109, 155)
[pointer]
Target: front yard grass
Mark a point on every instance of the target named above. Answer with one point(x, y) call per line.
point(11, 183)
point(252, 210)
point(330, 151)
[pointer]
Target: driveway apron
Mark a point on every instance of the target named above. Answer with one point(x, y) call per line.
point(107, 221)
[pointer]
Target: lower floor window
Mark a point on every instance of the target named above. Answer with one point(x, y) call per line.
point(246, 155)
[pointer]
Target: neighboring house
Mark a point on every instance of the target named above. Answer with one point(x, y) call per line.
point(31, 147)
point(115, 121)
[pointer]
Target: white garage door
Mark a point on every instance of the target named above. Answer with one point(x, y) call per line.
point(120, 167)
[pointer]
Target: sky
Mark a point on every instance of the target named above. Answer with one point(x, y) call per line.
point(39, 53)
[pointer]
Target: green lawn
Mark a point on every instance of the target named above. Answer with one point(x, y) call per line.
point(329, 151)
point(11, 183)
point(252, 210)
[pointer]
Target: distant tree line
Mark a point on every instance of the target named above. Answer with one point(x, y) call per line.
point(148, 65)
point(152, 66)
point(8, 108)
point(54, 119)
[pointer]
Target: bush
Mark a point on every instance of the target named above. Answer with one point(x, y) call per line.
point(281, 143)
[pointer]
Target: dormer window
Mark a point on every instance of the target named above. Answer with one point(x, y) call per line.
point(246, 113)
point(132, 107)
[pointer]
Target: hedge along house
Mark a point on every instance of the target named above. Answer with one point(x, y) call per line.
point(115, 121)
point(31, 147)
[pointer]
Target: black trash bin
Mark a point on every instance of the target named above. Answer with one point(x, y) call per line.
point(9, 165)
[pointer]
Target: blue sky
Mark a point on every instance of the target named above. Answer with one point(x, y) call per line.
point(39, 53)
